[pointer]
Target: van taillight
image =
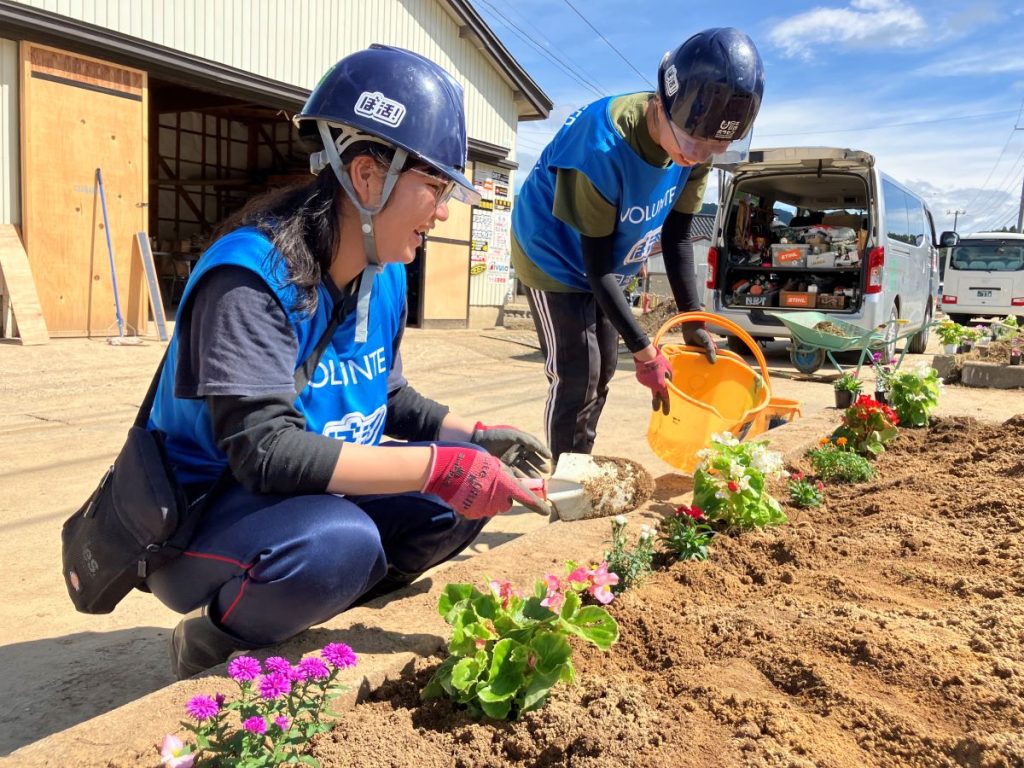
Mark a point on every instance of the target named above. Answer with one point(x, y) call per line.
point(1017, 301)
point(876, 260)
point(712, 267)
point(947, 299)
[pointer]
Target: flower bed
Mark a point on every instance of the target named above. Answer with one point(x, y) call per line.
point(882, 628)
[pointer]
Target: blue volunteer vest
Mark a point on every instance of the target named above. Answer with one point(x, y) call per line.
point(641, 193)
point(346, 397)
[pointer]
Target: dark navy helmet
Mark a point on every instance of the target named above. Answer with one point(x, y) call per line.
point(401, 98)
point(711, 86)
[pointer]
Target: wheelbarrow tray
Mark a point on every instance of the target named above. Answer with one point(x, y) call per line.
point(802, 326)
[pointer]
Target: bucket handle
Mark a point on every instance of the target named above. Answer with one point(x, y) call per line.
point(722, 322)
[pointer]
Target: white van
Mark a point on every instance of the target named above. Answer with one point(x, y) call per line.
point(984, 275)
point(821, 229)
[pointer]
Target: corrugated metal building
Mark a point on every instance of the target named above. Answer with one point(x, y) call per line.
point(184, 105)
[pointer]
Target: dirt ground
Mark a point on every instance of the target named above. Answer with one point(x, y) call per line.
point(883, 629)
point(66, 407)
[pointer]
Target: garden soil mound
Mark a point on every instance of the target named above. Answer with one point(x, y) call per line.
point(884, 629)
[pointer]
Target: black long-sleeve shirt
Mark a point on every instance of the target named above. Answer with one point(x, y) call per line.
point(238, 351)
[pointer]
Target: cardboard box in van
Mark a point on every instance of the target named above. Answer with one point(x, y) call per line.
point(790, 255)
point(802, 299)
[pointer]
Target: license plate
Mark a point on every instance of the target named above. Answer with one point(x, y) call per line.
point(984, 294)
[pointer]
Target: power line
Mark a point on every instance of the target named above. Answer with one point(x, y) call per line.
point(525, 37)
point(1002, 152)
point(888, 125)
point(609, 44)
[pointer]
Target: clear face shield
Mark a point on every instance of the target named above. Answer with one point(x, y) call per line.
point(696, 151)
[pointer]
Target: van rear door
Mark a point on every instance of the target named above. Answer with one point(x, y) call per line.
point(802, 159)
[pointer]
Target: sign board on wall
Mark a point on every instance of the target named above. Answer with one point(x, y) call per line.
point(490, 255)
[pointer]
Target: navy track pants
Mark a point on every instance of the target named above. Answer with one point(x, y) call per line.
point(270, 567)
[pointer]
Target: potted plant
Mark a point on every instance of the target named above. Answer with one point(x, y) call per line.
point(845, 387)
point(1015, 352)
point(968, 336)
point(950, 334)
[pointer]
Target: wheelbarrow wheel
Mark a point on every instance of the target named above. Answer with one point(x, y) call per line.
point(806, 359)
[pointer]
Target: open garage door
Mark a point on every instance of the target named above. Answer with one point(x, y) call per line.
point(80, 114)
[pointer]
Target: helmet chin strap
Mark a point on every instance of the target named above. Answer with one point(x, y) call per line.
point(366, 215)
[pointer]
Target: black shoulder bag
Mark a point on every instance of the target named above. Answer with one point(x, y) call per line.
point(138, 519)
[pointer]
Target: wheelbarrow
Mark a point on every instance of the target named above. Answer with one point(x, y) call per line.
point(817, 337)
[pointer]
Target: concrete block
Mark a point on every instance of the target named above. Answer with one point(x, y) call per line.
point(993, 375)
point(948, 367)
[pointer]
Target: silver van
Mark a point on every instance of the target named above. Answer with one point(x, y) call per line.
point(821, 229)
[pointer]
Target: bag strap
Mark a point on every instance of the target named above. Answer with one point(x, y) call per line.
point(303, 373)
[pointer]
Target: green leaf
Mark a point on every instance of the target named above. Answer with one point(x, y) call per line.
point(552, 649)
point(595, 625)
point(538, 689)
point(570, 606)
point(440, 681)
point(568, 674)
point(532, 609)
point(498, 710)
point(508, 664)
point(453, 594)
point(486, 606)
point(466, 673)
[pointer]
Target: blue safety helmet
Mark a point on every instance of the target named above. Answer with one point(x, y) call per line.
point(402, 98)
point(711, 85)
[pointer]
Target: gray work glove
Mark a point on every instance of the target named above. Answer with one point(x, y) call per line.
point(696, 335)
point(522, 452)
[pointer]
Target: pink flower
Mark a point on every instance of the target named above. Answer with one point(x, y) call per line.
point(255, 724)
point(174, 754)
point(339, 655)
point(202, 708)
point(282, 722)
point(579, 576)
point(555, 598)
point(505, 591)
point(275, 685)
point(244, 668)
point(602, 581)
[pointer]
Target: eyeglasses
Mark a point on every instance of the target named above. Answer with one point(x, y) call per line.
point(443, 186)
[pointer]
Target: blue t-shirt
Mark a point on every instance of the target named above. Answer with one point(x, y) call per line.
point(346, 397)
point(642, 194)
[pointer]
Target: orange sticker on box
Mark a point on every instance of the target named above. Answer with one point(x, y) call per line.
point(793, 255)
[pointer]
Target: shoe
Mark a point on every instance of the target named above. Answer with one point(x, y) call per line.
point(197, 644)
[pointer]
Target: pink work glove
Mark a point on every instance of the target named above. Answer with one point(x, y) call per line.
point(655, 375)
point(476, 484)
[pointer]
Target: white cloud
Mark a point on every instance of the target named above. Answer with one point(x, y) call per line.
point(864, 23)
point(986, 62)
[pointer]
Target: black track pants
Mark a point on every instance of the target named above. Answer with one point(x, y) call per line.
point(580, 349)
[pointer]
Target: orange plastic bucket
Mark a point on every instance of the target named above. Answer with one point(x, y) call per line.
point(706, 399)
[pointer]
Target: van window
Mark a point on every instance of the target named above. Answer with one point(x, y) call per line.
point(991, 255)
point(915, 218)
point(897, 223)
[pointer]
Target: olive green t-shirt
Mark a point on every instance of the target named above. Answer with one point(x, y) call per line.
point(579, 204)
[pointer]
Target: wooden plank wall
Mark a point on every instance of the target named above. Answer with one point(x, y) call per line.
point(19, 306)
point(78, 114)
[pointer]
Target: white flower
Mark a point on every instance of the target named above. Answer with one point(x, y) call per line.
point(743, 482)
point(619, 520)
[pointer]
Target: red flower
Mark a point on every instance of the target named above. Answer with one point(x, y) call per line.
point(797, 476)
point(734, 486)
point(820, 486)
point(695, 513)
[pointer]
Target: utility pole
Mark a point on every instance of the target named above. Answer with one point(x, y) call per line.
point(1020, 211)
point(956, 214)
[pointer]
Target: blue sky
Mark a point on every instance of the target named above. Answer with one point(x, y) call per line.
point(849, 73)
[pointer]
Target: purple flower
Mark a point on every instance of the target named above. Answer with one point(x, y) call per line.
point(278, 664)
point(275, 685)
point(220, 698)
point(339, 655)
point(255, 724)
point(282, 722)
point(202, 708)
point(876, 357)
point(312, 669)
point(244, 668)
